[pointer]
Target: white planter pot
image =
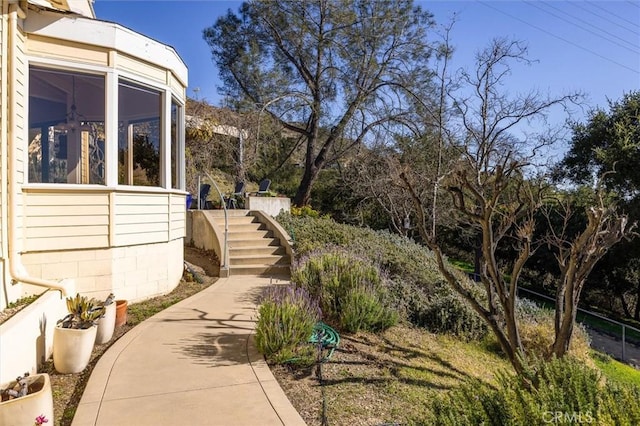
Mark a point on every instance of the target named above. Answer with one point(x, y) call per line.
point(72, 348)
point(24, 410)
point(106, 325)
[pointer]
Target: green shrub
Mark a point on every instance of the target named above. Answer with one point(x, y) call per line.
point(304, 211)
point(448, 313)
point(285, 323)
point(415, 283)
point(351, 290)
point(557, 391)
point(362, 310)
point(398, 256)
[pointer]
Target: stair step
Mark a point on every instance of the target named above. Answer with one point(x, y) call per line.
point(264, 270)
point(255, 235)
point(246, 227)
point(230, 213)
point(260, 260)
point(256, 250)
point(241, 220)
point(254, 242)
point(236, 220)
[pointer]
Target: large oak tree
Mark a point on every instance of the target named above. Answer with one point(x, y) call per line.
point(331, 71)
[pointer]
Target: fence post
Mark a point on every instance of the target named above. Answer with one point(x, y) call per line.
point(623, 343)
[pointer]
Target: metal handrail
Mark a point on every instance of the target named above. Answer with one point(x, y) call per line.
point(226, 218)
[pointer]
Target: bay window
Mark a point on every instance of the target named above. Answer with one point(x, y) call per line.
point(139, 134)
point(71, 127)
point(66, 127)
point(176, 137)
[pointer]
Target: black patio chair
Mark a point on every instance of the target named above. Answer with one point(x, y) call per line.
point(204, 193)
point(264, 187)
point(232, 199)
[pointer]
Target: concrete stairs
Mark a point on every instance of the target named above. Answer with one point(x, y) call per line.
point(253, 249)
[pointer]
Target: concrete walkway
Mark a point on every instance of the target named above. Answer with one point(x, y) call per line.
point(193, 364)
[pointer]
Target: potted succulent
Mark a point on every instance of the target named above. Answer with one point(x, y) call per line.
point(107, 322)
point(75, 334)
point(27, 400)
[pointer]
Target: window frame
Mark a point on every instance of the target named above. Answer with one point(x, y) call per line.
point(112, 77)
point(57, 66)
point(162, 118)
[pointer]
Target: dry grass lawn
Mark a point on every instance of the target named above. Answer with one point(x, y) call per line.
point(386, 379)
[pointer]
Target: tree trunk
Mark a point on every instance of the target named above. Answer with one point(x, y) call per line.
point(566, 310)
point(625, 307)
point(563, 336)
point(303, 195)
point(514, 354)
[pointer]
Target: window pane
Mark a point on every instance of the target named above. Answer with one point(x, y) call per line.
point(175, 144)
point(66, 127)
point(139, 135)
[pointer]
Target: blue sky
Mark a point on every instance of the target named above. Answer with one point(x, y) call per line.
point(590, 46)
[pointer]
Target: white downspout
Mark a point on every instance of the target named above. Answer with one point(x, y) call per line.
point(16, 269)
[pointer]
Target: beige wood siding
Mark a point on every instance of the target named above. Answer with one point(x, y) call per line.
point(61, 49)
point(59, 219)
point(138, 67)
point(17, 141)
point(65, 221)
point(4, 53)
point(178, 216)
point(141, 218)
point(175, 85)
point(20, 105)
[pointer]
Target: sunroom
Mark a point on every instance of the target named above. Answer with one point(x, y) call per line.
point(92, 158)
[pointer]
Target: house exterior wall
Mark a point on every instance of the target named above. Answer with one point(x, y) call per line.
point(98, 238)
point(87, 232)
point(64, 219)
point(133, 273)
point(4, 54)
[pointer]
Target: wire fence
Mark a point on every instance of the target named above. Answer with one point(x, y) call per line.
point(615, 338)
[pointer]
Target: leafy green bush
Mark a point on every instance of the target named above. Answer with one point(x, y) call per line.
point(447, 313)
point(351, 290)
point(362, 310)
point(304, 211)
point(557, 391)
point(415, 283)
point(285, 323)
point(398, 256)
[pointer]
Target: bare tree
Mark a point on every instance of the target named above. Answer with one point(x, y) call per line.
point(578, 255)
point(373, 181)
point(490, 188)
point(429, 150)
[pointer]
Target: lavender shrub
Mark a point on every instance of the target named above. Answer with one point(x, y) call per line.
point(285, 323)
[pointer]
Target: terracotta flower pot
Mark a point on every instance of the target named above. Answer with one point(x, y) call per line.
point(121, 312)
point(25, 409)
